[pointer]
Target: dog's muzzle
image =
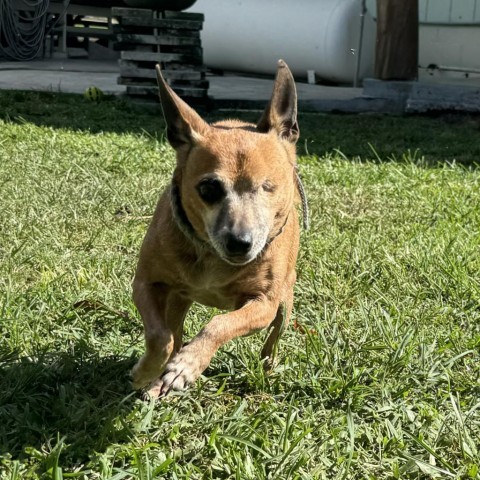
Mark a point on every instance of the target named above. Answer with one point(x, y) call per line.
point(238, 244)
point(236, 247)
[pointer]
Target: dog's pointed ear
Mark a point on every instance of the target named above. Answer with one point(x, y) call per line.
point(281, 113)
point(185, 127)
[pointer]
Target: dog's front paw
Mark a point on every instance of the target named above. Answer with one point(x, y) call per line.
point(179, 373)
point(144, 372)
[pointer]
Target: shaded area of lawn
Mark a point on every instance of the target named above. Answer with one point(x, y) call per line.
point(441, 138)
point(69, 400)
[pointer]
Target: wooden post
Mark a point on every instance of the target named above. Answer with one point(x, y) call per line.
point(396, 53)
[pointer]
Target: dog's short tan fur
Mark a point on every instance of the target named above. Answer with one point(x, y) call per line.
point(225, 234)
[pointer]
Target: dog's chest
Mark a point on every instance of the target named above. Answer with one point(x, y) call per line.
point(212, 298)
point(210, 283)
point(211, 294)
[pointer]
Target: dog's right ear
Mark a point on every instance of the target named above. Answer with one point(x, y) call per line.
point(184, 126)
point(281, 112)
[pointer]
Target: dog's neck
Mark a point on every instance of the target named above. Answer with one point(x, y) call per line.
point(182, 221)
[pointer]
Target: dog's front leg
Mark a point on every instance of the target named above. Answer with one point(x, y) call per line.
point(163, 313)
point(188, 364)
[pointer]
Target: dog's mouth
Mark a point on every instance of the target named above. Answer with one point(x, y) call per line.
point(237, 260)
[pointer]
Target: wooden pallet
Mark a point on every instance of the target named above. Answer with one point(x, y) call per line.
point(172, 39)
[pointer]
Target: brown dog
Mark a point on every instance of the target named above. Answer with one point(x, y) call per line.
point(224, 234)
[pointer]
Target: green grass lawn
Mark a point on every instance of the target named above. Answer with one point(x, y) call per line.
point(379, 375)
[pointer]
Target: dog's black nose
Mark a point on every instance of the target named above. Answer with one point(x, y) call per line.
point(238, 244)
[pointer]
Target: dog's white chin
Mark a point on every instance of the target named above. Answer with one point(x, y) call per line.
point(238, 261)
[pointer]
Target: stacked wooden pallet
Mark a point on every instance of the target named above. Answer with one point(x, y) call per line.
point(172, 39)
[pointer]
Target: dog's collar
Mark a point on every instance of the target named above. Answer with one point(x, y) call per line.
point(182, 221)
point(303, 197)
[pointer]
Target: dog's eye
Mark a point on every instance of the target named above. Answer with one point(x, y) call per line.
point(211, 191)
point(268, 186)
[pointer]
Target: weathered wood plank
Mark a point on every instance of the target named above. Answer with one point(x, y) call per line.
point(145, 13)
point(162, 23)
point(132, 13)
point(153, 91)
point(193, 58)
point(145, 82)
point(90, 31)
point(187, 15)
point(167, 32)
point(167, 66)
point(186, 75)
point(396, 53)
point(145, 18)
point(132, 70)
point(170, 40)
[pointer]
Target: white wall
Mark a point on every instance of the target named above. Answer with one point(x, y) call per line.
point(443, 11)
point(449, 32)
point(449, 11)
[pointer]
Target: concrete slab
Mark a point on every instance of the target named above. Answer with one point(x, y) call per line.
point(237, 91)
point(74, 76)
point(420, 97)
point(229, 87)
point(428, 97)
point(60, 75)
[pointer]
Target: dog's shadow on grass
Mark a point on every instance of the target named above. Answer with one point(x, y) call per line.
point(78, 399)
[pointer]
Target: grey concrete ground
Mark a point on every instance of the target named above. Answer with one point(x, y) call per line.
point(74, 76)
point(237, 91)
point(68, 76)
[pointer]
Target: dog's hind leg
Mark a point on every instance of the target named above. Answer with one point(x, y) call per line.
point(277, 327)
point(163, 313)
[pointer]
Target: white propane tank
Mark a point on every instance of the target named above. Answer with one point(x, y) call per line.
point(319, 35)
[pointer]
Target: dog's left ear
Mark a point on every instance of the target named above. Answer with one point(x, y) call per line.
point(281, 112)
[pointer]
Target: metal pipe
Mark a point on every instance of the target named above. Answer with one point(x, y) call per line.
point(363, 11)
point(452, 69)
